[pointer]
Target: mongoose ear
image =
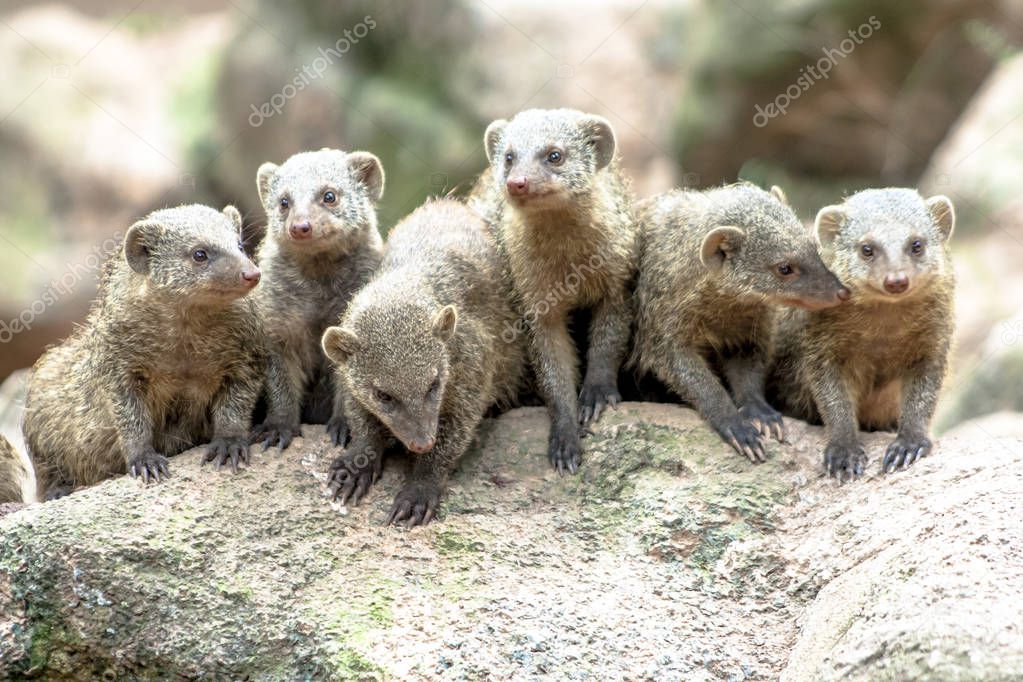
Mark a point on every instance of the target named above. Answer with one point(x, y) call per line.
point(721, 244)
point(779, 194)
point(264, 178)
point(339, 344)
point(234, 216)
point(943, 213)
point(601, 136)
point(367, 169)
point(444, 323)
point(140, 239)
point(829, 222)
point(492, 138)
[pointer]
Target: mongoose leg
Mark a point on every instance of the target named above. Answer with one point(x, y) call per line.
point(231, 412)
point(283, 421)
point(689, 375)
point(135, 425)
point(746, 375)
point(609, 337)
point(337, 427)
point(919, 398)
point(556, 369)
point(352, 473)
point(844, 456)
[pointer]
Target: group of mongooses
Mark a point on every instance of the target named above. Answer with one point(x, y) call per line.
point(722, 295)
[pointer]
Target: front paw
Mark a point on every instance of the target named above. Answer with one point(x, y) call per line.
point(337, 429)
point(744, 437)
point(765, 418)
point(223, 450)
point(564, 449)
point(904, 450)
point(275, 435)
point(416, 504)
point(845, 462)
point(352, 474)
point(149, 466)
point(596, 397)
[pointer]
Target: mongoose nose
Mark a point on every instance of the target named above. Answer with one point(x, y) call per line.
point(251, 277)
point(302, 230)
point(518, 187)
point(896, 284)
point(421, 447)
point(843, 294)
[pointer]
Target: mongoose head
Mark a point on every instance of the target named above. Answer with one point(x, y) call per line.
point(546, 158)
point(321, 201)
point(193, 253)
point(760, 249)
point(393, 355)
point(887, 244)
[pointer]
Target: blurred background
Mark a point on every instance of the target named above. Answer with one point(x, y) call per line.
point(112, 108)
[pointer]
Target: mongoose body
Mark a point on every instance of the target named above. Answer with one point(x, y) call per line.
point(12, 473)
point(878, 361)
point(321, 246)
point(713, 265)
point(563, 215)
point(170, 357)
point(422, 355)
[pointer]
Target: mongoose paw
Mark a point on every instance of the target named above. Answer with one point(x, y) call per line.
point(337, 429)
point(416, 504)
point(564, 450)
point(149, 466)
point(903, 451)
point(742, 435)
point(594, 399)
point(227, 450)
point(348, 481)
point(843, 462)
point(275, 435)
point(766, 419)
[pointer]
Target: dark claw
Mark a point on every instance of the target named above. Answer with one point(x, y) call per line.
point(745, 438)
point(223, 451)
point(149, 466)
point(416, 504)
point(845, 463)
point(594, 401)
point(348, 481)
point(564, 450)
point(337, 429)
point(767, 420)
point(904, 451)
point(275, 435)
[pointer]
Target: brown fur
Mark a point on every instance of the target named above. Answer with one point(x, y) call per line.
point(421, 354)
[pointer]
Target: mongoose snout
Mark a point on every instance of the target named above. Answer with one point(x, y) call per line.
point(301, 230)
point(896, 283)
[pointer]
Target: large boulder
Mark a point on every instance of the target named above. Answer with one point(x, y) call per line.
point(667, 557)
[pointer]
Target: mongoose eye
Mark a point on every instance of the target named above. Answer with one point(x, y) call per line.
point(867, 251)
point(785, 270)
point(285, 203)
point(508, 158)
point(917, 247)
point(381, 397)
point(241, 247)
point(329, 198)
point(554, 157)
point(200, 256)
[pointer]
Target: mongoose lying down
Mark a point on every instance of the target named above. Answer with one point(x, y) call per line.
point(421, 354)
point(321, 246)
point(170, 357)
point(713, 266)
point(563, 214)
point(878, 361)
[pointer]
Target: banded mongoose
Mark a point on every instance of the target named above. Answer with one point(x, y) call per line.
point(322, 245)
point(422, 354)
point(878, 361)
point(171, 357)
point(712, 266)
point(563, 215)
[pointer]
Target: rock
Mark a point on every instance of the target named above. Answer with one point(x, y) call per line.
point(978, 163)
point(666, 557)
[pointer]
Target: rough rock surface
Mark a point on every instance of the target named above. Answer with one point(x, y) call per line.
point(668, 557)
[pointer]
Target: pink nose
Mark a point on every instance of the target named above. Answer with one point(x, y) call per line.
point(251, 277)
point(896, 284)
point(302, 230)
point(843, 294)
point(518, 187)
point(421, 447)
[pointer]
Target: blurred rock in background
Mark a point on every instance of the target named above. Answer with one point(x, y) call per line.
point(112, 109)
